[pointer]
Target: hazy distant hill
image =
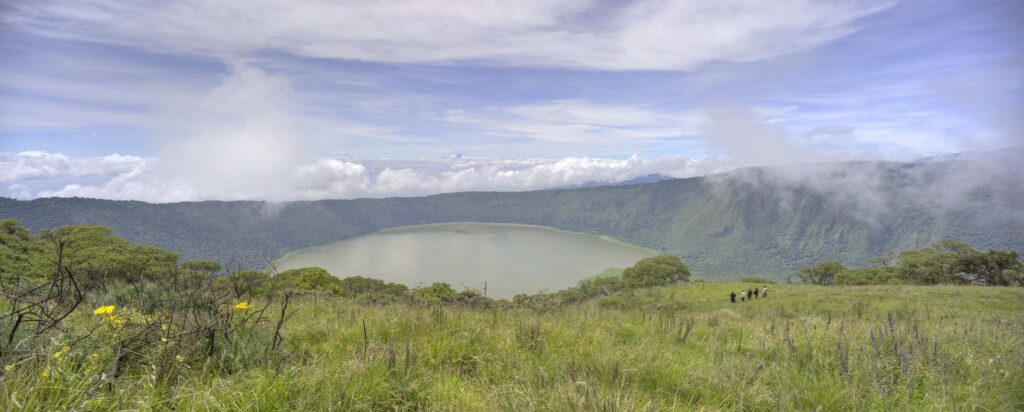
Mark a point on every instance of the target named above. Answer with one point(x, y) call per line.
point(651, 178)
point(765, 221)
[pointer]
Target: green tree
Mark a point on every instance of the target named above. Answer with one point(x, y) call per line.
point(308, 279)
point(599, 286)
point(932, 265)
point(821, 274)
point(20, 253)
point(656, 271)
point(995, 267)
point(438, 292)
point(96, 253)
point(361, 286)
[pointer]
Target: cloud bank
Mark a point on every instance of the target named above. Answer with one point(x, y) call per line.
point(240, 141)
point(326, 178)
point(588, 34)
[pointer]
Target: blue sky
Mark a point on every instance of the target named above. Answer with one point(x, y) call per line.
point(186, 100)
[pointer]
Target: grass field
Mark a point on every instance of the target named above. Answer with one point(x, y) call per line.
point(672, 348)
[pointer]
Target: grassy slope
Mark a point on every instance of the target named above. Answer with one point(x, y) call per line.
point(945, 348)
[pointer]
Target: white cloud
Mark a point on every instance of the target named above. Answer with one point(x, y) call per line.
point(649, 34)
point(240, 141)
point(33, 165)
point(334, 178)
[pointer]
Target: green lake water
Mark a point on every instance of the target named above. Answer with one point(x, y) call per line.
point(511, 259)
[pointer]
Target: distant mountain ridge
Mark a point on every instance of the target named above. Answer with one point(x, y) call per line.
point(756, 221)
point(650, 178)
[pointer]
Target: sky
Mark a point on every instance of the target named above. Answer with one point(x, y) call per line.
point(276, 100)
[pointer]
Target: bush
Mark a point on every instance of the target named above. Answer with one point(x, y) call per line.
point(599, 286)
point(310, 279)
point(473, 298)
point(656, 271)
point(96, 255)
point(133, 326)
point(438, 292)
point(356, 286)
point(821, 274)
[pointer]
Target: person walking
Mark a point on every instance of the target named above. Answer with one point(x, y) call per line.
point(750, 294)
point(764, 293)
point(755, 292)
point(743, 296)
point(732, 297)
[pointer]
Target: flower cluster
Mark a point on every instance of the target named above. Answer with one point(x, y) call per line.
point(104, 310)
point(63, 350)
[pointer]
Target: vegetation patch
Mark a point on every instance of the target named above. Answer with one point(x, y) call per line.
point(83, 328)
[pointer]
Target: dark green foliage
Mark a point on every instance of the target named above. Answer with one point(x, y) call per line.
point(995, 267)
point(599, 286)
point(20, 253)
point(656, 271)
point(311, 279)
point(356, 286)
point(932, 265)
point(944, 262)
point(822, 273)
point(956, 262)
point(438, 292)
point(473, 298)
point(95, 253)
point(762, 281)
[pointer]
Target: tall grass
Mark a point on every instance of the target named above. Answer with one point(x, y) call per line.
point(681, 347)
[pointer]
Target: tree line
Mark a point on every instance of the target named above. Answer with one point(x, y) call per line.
point(102, 260)
point(944, 262)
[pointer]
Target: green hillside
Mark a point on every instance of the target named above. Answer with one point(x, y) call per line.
point(759, 221)
point(93, 322)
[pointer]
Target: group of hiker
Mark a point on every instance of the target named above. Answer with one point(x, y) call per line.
point(749, 294)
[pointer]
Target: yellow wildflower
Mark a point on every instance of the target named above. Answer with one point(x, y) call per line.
point(93, 356)
point(61, 352)
point(9, 367)
point(117, 320)
point(103, 310)
point(45, 374)
point(163, 327)
point(242, 306)
point(180, 359)
point(164, 340)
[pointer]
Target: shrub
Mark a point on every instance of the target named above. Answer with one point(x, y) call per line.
point(656, 271)
point(821, 274)
point(438, 292)
point(96, 254)
point(599, 286)
point(310, 279)
point(473, 298)
point(355, 286)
